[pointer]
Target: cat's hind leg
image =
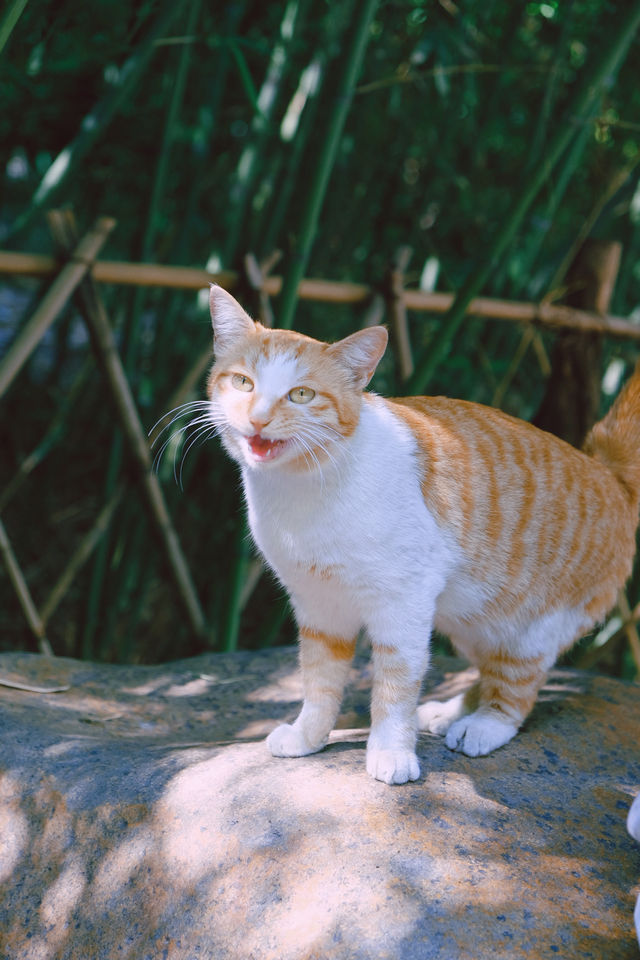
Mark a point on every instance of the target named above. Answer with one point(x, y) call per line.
point(436, 716)
point(325, 658)
point(505, 693)
point(512, 670)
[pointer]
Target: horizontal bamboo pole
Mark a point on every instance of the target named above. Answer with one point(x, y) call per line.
point(327, 291)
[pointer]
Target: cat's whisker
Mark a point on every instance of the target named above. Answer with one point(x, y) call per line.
point(167, 443)
point(182, 411)
point(205, 430)
point(201, 436)
point(313, 433)
point(307, 451)
point(200, 423)
point(309, 442)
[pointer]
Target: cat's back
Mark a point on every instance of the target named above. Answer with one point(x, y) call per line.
point(527, 509)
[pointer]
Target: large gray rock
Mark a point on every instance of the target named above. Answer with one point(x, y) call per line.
point(142, 817)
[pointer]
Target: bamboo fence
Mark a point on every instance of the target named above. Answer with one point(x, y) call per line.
point(78, 273)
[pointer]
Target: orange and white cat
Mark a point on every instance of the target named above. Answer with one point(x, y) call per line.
point(400, 515)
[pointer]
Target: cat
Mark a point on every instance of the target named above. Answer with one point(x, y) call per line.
point(398, 516)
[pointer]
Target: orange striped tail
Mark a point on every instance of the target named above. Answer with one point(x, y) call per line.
point(615, 440)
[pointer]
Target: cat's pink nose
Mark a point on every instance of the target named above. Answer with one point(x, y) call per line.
point(259, 423)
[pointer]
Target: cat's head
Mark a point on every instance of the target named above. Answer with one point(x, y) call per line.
point(281, 398)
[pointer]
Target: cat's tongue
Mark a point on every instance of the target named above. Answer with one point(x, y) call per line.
point(262, 448)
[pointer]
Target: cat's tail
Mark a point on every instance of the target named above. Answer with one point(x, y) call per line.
point(615, 440)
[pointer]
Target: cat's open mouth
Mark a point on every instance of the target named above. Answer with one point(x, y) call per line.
point(263, 449)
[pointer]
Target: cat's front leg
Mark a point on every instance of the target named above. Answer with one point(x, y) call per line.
point(400, 659)
point(325, 658)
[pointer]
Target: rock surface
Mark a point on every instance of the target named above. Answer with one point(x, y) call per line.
point(142, 817)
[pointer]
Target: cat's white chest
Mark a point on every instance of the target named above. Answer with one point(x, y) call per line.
point(305, 527)
point(363, 524)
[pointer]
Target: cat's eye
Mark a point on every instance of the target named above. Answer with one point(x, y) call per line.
point(301, 394)
point(240, 382)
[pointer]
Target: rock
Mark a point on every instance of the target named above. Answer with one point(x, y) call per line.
point(142, 817)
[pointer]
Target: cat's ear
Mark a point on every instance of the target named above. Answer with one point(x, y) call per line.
point(361, 352)
point(230, 322)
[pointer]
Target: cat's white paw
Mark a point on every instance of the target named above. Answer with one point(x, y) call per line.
point(392, 766)
point(436, 716)
point(288, 740)
point(479, 734)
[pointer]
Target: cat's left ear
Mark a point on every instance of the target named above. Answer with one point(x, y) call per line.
point(230, 322)
point(361, 352)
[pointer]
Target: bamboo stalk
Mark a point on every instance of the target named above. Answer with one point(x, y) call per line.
point(589, 90)
point(54, 301)
point(130, 337)
point(398, 312)
point(616, 182)
point(571, 402)
point(12, 15)
point(22, 591)
point(236, 587)
point(537, 233)
point(630, 627)
point(525, 341)
point(255, 276)
point(107, 352)
point(590, 657)
point(170, 128)
point(98, 573)
point(158, 182)
point(264, 105)
point(354, 55)
point(285, 175)
point(550, 93)
point(80, 556)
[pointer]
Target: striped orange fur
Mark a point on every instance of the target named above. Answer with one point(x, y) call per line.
point(395, 516)
point(536, 518)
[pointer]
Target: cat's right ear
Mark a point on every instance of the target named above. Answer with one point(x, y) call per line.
point(230, 322)
point(361, 353)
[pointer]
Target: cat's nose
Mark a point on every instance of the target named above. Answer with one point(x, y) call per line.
point(259, 422)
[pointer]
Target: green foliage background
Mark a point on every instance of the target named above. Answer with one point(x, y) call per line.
point(199, 127)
